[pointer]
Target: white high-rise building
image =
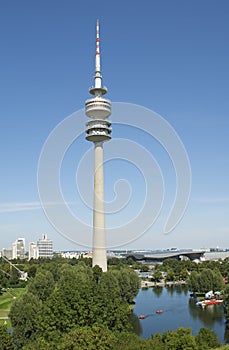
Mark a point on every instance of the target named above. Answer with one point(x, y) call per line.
point(18, 249)
point(7, 253)
point(45, 247)
point(33, 251)
point(98, 131)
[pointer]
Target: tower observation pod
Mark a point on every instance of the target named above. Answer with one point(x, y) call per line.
point(98, 109)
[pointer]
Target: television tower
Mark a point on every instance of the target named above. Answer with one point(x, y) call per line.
point(98, 131)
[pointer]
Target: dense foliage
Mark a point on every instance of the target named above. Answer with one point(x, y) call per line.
point(81, 297)
point(226, 304)
point(69, 305)
point(205, 280)
point(6, 341)
point(98, 337)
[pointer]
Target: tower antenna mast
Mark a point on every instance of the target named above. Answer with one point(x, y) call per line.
point(98, 131)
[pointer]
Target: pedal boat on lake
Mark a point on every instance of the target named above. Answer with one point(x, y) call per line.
point(159, 311)
point(209, 302)
point(142, 317)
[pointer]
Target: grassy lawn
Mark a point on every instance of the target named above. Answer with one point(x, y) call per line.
point(6, 299)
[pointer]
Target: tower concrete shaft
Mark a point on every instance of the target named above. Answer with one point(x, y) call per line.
point(99, 233)
point(98, 131)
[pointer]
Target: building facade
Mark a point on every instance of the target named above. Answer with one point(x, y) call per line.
point(45, 247)
point(7, 253)
point(33, 251)
point(18, 249)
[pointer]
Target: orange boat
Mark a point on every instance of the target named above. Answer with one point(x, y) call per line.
point(211, 302)
point(142, 317)
point(159, 311)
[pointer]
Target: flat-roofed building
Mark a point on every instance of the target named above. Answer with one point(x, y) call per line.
point(18, 249)
point(33, 251)
point(45, 247)
point(7, 253)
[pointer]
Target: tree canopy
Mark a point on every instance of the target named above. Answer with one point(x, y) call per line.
point(81, 297)
point(206, 280)
point(70, 305)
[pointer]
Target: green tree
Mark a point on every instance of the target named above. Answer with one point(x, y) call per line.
point(226, 304)
point(182, 339)
point(14, 278)
point(170, 275)
point(6, 342)
point(144, 268)
point(42, 285)
point(157, 276)
point(207, 339)
point(110, 308)
point(156, 342)
point(88, 338)
point(130, 341)
point(218, 283)
point(71, 303)
point(32, 269)
point(129, 283)
point(205, 280)
point(183, 274)
point(5, 282)
point(171, 263)
point(193, 282)
point(23, 315)
point(114, 261)
point(41, 344)
point(97, 273)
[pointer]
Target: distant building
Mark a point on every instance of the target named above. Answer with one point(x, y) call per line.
point(70, 255)
point(45, 247)
point(87, 255)
point(7, 253)
point(33, 251)
point(18, 249)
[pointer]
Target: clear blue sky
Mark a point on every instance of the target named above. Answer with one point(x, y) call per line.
point(169, 56)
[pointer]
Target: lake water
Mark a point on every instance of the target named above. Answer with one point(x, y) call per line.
point(179, 310)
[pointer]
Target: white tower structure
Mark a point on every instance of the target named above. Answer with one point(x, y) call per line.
point(98, 131)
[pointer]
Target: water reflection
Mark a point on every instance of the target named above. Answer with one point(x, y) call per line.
point(170, 289)
point(157, 291)
point(226, 335)
point(177, 288)
point(208, 315)
point(135, 322)
point(178, 311)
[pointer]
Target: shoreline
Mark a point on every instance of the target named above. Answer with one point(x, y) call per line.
point(148, 284)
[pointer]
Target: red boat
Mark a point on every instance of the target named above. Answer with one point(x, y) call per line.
point(142, 317)
point(211, 302)
point(159, 311)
